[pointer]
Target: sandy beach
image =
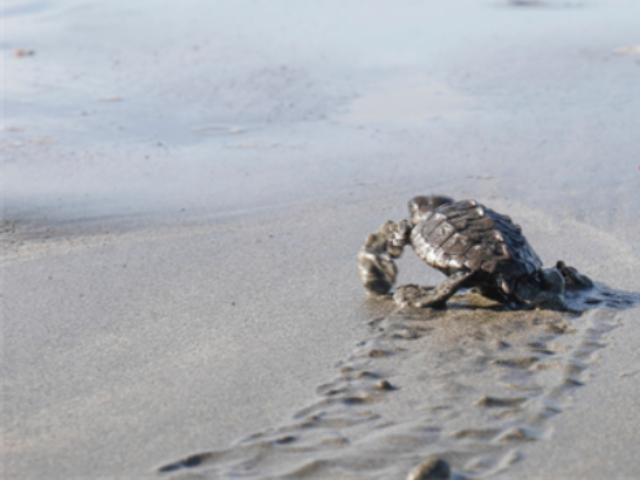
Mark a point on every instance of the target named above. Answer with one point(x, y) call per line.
point(184, 192)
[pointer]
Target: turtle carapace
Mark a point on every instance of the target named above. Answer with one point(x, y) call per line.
point(475, 247)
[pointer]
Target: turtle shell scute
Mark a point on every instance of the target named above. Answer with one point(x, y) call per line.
point(467, 235)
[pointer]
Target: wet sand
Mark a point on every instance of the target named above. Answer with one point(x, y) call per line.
point(182, 207)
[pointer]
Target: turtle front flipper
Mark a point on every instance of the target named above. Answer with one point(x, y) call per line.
point(434, 297)
point(377, 269)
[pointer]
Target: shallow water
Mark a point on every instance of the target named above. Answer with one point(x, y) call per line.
point(195, 109)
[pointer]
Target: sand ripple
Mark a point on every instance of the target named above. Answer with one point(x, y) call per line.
point(468, 385)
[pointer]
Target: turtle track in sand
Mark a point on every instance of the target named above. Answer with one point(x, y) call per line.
point(470, 385)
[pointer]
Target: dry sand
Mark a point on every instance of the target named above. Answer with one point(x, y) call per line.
point(185, 190)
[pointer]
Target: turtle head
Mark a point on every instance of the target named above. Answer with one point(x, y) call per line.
point(545, 289)
point(420, 207)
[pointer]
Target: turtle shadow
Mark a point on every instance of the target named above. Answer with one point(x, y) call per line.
point(578, 300)
point(601, 295)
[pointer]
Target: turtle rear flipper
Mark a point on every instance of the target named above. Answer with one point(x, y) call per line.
point(573, 279)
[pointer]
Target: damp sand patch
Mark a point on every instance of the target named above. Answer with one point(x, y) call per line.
point(468, 385)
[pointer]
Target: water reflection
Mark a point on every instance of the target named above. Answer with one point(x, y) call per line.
point(412, 101)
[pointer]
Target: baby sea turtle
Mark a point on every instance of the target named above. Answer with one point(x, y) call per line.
point(475, 247)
